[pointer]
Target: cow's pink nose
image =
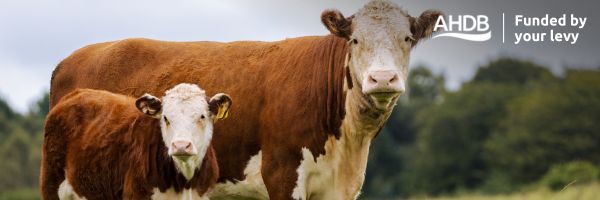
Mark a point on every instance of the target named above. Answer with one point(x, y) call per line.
point(182, 148)
point(383, 81)
point(383, 78)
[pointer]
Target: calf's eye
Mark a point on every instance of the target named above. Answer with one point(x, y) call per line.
point(201, 116)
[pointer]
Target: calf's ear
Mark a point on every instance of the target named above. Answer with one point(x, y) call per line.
point(422, 27)
point(149, 105)
point(336, 23)
point(219, 105)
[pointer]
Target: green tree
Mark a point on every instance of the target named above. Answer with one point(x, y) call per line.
point(20, 147)
point(511, 71)
point(9, 120)
point(555, 123)
point(450, 153)
point(451, 136)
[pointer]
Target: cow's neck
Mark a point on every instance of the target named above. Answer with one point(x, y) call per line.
point(336, 169)
point(361, 122)
point(360, 125)
point(348, 154)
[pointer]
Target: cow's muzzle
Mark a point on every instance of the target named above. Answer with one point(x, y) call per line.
point(383, 84)
point(182, 149)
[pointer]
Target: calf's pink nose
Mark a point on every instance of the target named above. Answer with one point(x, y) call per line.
point(182, 147)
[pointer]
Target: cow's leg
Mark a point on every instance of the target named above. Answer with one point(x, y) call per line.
point(279, 173)
point(52, 172)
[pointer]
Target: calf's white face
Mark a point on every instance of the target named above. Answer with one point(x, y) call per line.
point(186, 120)
point(381, 36)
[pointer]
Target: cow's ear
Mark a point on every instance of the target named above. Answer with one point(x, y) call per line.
point(149, 105)
point(422, 27)
point(336, 23)
point(219, 105)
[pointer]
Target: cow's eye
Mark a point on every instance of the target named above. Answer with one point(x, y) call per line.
point(406, 39)
point(354, 41)
point(166, 120)
point(201, 116)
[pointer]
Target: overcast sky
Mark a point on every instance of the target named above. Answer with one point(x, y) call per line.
point(36, 35)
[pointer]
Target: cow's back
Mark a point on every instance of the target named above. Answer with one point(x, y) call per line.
point(137, 66)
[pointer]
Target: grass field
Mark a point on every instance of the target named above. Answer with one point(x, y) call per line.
point(21, 194)
point(574, 192)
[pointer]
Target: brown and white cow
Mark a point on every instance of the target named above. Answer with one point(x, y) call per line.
point(306, 108)
point(98, 145)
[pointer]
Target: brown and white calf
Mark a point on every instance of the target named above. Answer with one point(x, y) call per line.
point(101, 145)
point(306, 108)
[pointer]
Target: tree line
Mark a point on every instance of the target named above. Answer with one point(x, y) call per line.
point(21, 137)
point(513, 126)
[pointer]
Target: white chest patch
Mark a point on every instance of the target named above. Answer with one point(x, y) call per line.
point(252, 187)
point(65, 191)
point(337, 175)
point(186, 194)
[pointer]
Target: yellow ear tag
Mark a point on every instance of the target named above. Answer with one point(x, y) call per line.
point(223, 113)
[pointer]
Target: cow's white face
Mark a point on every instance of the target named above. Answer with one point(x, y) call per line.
point(381, 36)
point(186, 121)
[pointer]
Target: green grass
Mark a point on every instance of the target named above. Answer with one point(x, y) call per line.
point(589, 191)
point(21, 194)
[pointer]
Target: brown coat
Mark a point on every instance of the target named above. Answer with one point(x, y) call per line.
point(111, 150)
point(289, 93)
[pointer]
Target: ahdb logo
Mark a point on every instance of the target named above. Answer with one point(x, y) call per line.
point(466, 27)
